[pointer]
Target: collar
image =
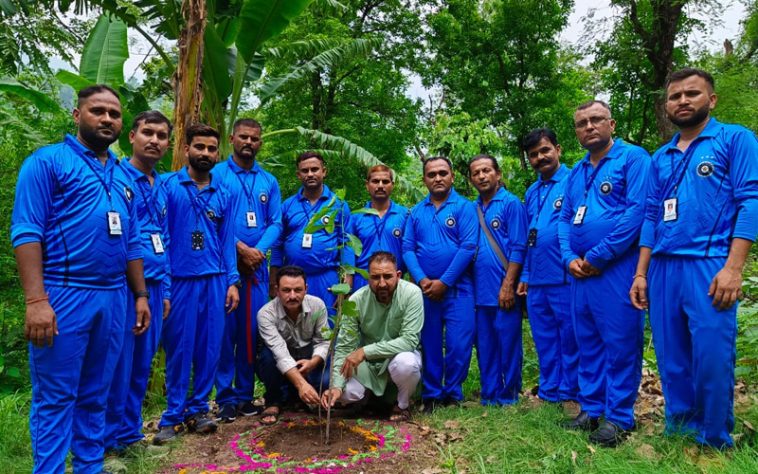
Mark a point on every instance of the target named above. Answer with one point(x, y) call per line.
point(499, 196)
point(82, 150)
point(710, 131)
point(392, 209)
point(325, 194)
point(238, 169)
point(612, 154)
point(559, 174)
point(452, 198)
point(184, 178)
point(281, 314)
point(136, 174)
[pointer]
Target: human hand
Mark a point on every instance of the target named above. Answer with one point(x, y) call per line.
point(330, 397)
point(726, 288)
point(166, 308)
point(506, 298)
point(522, 288)
point(638, 292)
point(575, 268)
point(232, 298)
point(142, 308)
point(41, 323)
point(352, 361)
point(308, 394)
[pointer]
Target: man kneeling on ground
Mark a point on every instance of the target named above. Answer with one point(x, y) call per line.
point(291, 326)
point(380, 344)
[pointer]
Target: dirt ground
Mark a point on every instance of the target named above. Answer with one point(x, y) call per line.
point(294, 444)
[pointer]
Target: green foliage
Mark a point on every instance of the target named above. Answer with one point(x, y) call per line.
point(264, 19)
point(105, 53)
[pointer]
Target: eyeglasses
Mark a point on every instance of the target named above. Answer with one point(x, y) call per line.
point(593, 120)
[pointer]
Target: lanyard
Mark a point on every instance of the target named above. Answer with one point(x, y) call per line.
point(315, 208)
point(150, 203)
point(540, 201)
point(106, 186)
point(684, 163)
point(194, 202)
point(248, 193)
point(588, 183)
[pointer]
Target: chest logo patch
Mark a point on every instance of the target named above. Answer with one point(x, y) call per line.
point(558, 203)
point(397, 232)
point(263, 198)
point(128, 193)
point(325, 220)
point(495, 223)
point(450, 221)
point(705, 169)
point(211, 215)
point(606, 187)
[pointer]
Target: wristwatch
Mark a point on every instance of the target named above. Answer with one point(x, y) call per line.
point(141, 293)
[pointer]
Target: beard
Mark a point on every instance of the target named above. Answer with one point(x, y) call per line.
point(200, 164)
point(96, 139)
point(697, 117)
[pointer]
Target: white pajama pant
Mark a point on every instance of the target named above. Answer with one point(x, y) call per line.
point(405, 372)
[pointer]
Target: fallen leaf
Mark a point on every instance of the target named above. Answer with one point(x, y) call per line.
point(647, 451)
point(485, 414)
point(452, 424)
point(432, 470)
point(574, 455)
point(592, 450)
point(455, 437)
point(747, 425)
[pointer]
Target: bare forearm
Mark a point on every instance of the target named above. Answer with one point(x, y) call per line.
point(738, 253)
point(644, 261)
point(29, 260)
point(512, 274)
point(135, 276)
point(295, 377)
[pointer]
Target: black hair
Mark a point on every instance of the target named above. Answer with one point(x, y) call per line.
point(682, 74)
point(151, 116)
point(382, 256)
point(437, 158)
point(533, 138)
point(590, 103)
point(292, 271)
point(310, 154)
point(484, 156)
point(92, 90)
point(200, 130)
point(246, 122)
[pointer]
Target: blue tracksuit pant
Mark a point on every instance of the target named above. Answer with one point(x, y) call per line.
point(450, 321)
point(358, 282)
point(609, 334)
point(235, 377)
point(549, 308)
point(499, 352)
point(192, 338)
point(319, 284)
point(70, 380)
point(695, 347)
point(123, 418)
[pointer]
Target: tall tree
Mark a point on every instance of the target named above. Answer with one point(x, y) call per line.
point(499, 60)
point(645, 46)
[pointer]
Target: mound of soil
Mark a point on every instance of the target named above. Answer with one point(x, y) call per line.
point(295, 444)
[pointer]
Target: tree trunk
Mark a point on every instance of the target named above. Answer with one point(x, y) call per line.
point(188, 78)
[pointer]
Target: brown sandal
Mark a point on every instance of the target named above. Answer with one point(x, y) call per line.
point(270, 415)
point(400, 414)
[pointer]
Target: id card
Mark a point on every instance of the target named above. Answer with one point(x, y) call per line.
point(579, 217)
point(307, 241)
point(669, 210)
point(198, 240)
point(252, 221)
point(157, 243)
point(531, 240)
point(114, 223)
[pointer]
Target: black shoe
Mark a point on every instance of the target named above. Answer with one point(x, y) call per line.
point(226, 414)
point(167, 433)
point(201, 423)
point(431, 404)
point(248, 409)
point(583, 421)
point(609, 435)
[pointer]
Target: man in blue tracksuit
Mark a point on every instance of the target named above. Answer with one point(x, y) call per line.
point(257, 219)
point(76, 238)
point(545, 281)
point(439, 244)
point(700, 221)
point(319, 251)
point(502, 244)
point(150, 138)
point(383, 231)
point(599, 227)
point(204, 281)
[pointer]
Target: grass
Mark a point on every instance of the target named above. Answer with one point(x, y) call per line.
point(520, 438)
